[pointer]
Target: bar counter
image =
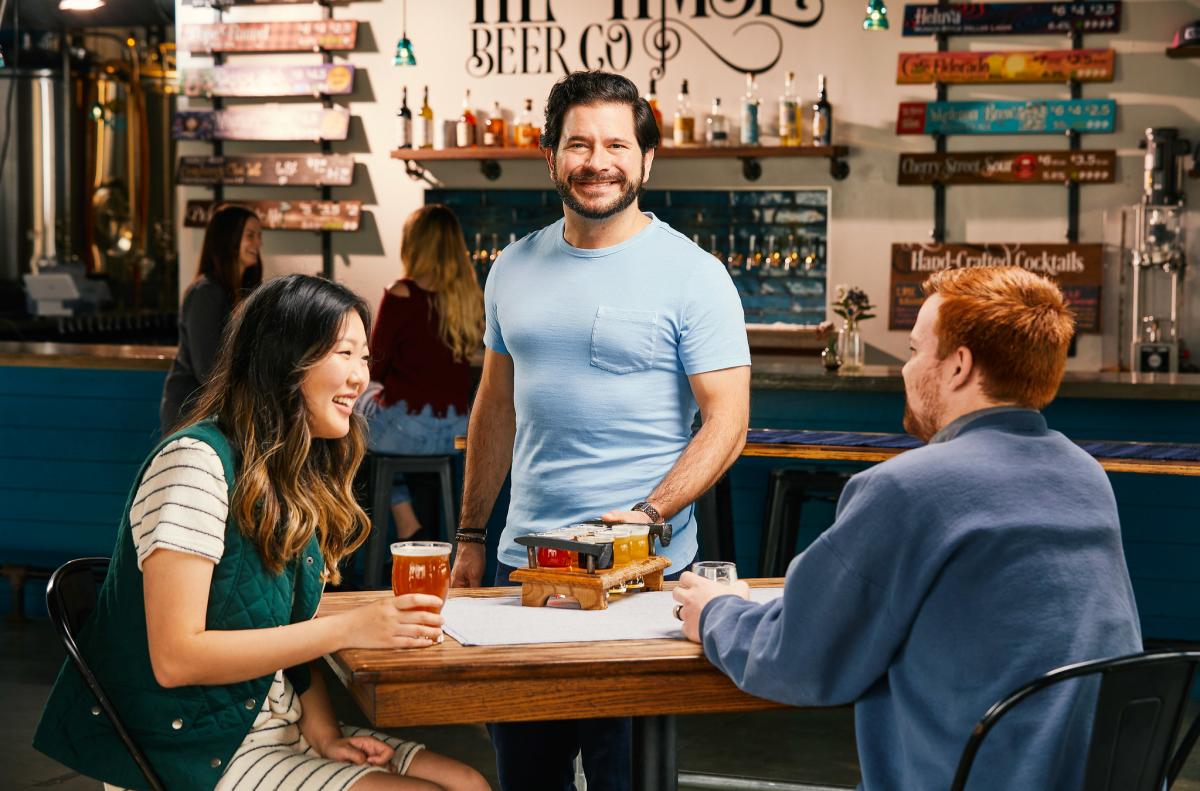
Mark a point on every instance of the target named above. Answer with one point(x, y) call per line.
point(770, 372)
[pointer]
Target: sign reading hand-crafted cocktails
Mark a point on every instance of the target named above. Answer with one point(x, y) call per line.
point(1057, 65)
point(1008, 167)
point(1077, 268)
point(1033, 117)
point(992, 18)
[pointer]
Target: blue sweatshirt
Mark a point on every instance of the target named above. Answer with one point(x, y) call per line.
point(952, 575)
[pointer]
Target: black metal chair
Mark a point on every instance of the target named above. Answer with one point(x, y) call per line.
point(71, 599)
point(1139, 710)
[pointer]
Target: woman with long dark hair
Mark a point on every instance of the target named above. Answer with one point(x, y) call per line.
point(203, 633)
point(230, 266)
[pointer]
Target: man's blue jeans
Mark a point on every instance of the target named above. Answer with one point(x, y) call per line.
point(540, 756)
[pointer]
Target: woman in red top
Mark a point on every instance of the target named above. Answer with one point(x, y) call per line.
point(429, 324)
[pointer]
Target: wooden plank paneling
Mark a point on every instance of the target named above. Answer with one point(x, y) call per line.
point(72, 476)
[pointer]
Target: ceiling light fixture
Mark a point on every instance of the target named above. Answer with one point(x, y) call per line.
point(80, 5)
point(876, 16)
point(404, 47)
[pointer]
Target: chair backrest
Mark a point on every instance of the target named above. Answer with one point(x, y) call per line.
point(1139, 708)
point(71, 599)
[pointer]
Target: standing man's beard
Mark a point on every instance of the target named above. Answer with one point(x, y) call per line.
point(630, 191)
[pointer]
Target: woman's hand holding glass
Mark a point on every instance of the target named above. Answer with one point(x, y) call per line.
point(413, 620)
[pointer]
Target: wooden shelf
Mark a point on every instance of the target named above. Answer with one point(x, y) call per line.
point(1186, 51)
point(489, 158)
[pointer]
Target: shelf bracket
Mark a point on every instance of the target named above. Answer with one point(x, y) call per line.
point(751, 168)
point(418, 173)
point(839, 168)
point(490, 169)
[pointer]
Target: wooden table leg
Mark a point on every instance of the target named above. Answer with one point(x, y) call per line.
point(654, 766)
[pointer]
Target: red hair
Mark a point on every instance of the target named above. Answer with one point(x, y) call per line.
point(1016, 324)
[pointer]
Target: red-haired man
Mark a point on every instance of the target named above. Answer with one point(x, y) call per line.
point(955, 572)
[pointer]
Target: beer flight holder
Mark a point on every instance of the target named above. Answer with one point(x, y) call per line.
point(581, 564)
point(1035, 166)
point(317, 123)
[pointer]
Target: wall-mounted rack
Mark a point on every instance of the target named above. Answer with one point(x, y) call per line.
point(489, 159)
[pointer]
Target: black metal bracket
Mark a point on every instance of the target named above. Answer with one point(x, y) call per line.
point(751, 168)
point(418, 173)
point(490, 169)
point(839, 168)
point(326, 192)
point(1073, 144)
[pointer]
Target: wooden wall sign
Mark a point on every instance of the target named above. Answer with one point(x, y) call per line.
point(1057, 65)
point(1008, 167)
point(1077, 268)
point(271, 36)
point(278, 215)
point(318, 170)
point(1033, 117)
point(1019, 18)
point(263, 122)
point(330, 79)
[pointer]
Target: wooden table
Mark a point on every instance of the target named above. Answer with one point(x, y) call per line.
point(650, 680)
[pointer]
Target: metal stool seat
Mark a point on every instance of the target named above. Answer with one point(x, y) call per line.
point(788, 490)
point(384, 468)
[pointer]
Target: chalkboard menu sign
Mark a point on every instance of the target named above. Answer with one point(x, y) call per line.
point(1008, 167)
point(978, 19)
point(270, 36)
point(263, 122)
point(280, 215)
point(1035, 116)
point(1057, 65)
point(318, 79)
point(1077, 268)
point(316, 170)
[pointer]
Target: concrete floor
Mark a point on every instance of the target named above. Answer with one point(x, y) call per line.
point(814, 747)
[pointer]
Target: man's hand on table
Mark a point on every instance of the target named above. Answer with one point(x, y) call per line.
point(694, 592)
point(469, 562)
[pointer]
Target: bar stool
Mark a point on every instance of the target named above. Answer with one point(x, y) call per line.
point(384, 467)
point(788, 490)
point(714, 522)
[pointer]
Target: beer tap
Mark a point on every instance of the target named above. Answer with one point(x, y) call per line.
point(734, 260)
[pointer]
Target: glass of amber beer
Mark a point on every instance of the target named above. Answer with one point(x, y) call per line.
point(421, 567)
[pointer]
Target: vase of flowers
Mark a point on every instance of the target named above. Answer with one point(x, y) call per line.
point(853, 306)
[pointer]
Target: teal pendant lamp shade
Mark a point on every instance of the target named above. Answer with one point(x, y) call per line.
point(405, 56)
point(876, 16)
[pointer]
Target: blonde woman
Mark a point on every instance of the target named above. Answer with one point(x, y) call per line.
point(429, 324)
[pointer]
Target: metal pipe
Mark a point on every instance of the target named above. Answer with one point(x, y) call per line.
point(698, 780)
point(65, 204)
point(44, 188)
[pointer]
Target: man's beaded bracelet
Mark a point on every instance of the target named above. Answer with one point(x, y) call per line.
point(470, 537)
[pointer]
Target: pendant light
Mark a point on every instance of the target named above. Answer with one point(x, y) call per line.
point(876, 16)
point(404, 47)
point(80, 5)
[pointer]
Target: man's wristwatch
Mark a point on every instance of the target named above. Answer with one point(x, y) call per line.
point(649, 511)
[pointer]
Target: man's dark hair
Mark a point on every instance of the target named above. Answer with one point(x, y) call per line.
point(598, 87)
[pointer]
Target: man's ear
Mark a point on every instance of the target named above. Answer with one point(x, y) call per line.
point(647, 163)
point(962, 363)
point(548, 153)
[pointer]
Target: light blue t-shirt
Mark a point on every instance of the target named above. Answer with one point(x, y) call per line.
point(602, 342)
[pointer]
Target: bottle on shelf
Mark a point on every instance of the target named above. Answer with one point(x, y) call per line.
point(424, 130)
point(733, 261)
point(466, 130)
point(404, 119)
point(495, 134)
point(716, 126)
point(750, 107)
point(685, 122)
point(652, 100)
point(789, 113)
point(822, 117)
point(526, 131)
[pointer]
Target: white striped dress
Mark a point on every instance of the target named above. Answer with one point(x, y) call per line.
point(182, 505)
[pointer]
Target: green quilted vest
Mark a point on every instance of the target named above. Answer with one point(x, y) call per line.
point(187, 733)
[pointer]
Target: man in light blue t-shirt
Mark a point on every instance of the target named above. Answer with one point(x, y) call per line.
point(606, 331)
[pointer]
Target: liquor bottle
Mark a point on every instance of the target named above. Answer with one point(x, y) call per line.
point(822, 118)
point(652, 100)
point(526, 132)
point(685, 122)
point(465, 129)
point(494, 134)
point(424, 136)
point(716, 125)
point(404, 121)
point(789, 113)
point(750, 105)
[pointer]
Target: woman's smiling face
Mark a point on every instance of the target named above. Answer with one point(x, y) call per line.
point(332, 385)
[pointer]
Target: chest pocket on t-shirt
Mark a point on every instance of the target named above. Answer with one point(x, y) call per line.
point(623, 340)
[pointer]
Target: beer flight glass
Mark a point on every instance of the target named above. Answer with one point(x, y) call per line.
point(421, 567)
point(720, 571)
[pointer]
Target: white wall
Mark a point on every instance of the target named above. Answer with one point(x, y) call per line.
point(868, 210)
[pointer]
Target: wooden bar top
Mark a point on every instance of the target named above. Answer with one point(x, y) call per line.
point(451, 683)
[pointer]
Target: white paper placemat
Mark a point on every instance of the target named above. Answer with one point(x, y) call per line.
point(503, 621)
